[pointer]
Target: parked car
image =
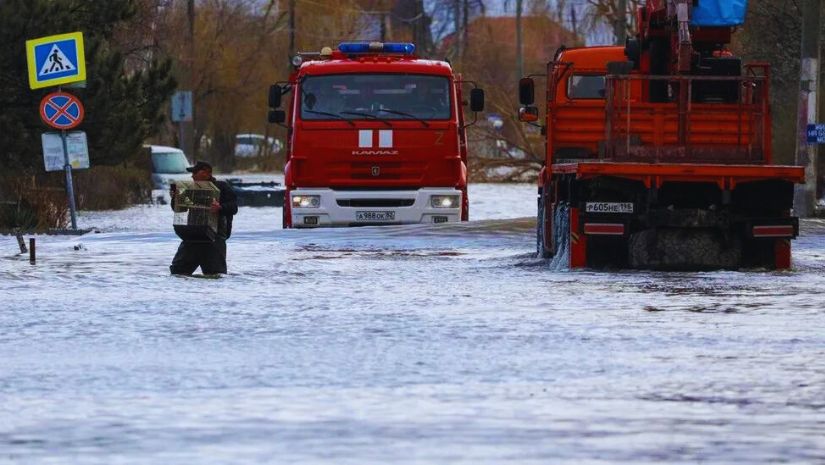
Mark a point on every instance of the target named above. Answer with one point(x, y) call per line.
point(254, 145)
point(168, 165)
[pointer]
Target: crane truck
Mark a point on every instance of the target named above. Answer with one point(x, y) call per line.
point(658, 153)
point(375, 136)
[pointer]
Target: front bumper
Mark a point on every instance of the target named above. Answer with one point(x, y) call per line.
point(342, 207)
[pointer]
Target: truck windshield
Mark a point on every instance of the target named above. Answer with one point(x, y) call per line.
point(169, 162)
point(375, 96)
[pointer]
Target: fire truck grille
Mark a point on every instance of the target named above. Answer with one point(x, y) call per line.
point(375, 202)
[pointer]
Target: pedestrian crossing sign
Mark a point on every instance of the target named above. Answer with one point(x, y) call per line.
point(56, 60)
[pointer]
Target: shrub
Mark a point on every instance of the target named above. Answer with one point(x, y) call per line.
point(25, 205)
point(112, 187)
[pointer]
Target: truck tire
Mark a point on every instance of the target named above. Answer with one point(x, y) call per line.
point(683, 249)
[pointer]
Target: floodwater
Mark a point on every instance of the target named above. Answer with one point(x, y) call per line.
point(443, 344)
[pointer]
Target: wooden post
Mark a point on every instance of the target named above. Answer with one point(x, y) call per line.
point(32, 252)
point(21, 243)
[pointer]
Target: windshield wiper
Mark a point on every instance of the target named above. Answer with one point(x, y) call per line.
point(403, 113)
point(370, 116)
point(334, 115)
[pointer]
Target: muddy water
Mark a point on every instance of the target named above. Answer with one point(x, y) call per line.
point(419, 345)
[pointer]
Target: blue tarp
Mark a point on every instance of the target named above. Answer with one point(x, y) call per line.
point(719, 13)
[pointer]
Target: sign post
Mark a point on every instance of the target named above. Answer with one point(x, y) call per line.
point(53, 61)
point(69, 183)
point(181, 112)
point(63, 111)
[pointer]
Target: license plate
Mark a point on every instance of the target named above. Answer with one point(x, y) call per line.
point(609, 207)
point(375, 216)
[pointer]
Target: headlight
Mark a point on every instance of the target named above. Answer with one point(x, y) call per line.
point(444, 201)
point(306, 201)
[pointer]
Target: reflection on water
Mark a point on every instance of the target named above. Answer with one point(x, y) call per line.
point(410, 344)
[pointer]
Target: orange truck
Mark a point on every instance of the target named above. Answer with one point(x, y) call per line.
point(658, 153)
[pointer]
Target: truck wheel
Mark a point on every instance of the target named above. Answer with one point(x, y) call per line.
point(683, 249)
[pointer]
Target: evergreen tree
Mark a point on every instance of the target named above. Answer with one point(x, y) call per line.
point(123, 107)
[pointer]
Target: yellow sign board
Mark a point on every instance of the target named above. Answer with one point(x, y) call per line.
point(56, 60)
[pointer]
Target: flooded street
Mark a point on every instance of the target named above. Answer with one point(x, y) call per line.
point(439, 344)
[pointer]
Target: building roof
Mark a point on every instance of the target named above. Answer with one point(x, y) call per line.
point(541, 35)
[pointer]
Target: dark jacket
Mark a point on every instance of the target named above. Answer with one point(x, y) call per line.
point(229, 207)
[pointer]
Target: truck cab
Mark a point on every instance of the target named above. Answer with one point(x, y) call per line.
point(375, 136)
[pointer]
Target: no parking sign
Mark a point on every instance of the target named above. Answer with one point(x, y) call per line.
point(61, 110)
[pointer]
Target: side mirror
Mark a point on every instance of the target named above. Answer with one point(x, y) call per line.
point(477, 100)
point(274, 96)
point(526, 91)
point(276, 116)
point(528, 114)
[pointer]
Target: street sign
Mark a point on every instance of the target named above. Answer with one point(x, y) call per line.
point(56, 60)
point(816, 133)
point(61, 110)
point(182, 106)
point(76, 146)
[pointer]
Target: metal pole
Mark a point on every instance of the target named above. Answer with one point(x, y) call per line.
point(807, 113)
point(181, 135)
point(69, 186)
point(32, 251)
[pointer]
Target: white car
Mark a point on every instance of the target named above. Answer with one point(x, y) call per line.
point(253, 145)
point(168, 165)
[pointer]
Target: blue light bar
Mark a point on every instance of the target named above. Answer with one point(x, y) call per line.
point(352, 48)
point(401, 48)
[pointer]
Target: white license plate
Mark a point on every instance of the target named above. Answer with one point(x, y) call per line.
point(375, 216)
point(609, 207)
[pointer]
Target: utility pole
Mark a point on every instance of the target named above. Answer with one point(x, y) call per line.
point(291, 29)
point(457, 25)
point(187, 142)
point(620, 25)
point(519, 51)
point(465, 18)
point(807, 112)
point(575, 24)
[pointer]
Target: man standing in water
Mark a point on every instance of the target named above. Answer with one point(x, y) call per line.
point(210, 256)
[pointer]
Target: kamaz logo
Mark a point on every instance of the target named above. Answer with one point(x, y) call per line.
point(375, 152)
point(366, 140)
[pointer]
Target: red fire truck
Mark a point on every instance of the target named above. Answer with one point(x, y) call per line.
point(658, 153)
point(375, 136)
